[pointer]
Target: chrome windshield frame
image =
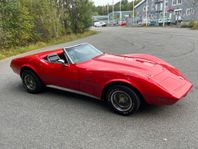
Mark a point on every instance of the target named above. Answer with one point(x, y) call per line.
point(67, 55)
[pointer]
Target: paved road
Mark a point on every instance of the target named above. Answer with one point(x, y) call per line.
point(57, 119)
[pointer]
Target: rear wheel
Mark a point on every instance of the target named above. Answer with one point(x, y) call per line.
point(123, 100)
point(31, 82)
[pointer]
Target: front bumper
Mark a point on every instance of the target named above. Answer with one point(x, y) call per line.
point(176, 96)
point(170, 99)
point(183, 91)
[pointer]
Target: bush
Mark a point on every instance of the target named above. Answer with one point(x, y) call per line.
point(191, 24)
point(24, 22)
point(186, 25)
point(195, 24)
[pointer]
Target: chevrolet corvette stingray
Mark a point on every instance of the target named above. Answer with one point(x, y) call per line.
point(123, 81)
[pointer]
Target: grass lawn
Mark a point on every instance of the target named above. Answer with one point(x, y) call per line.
point(4, 53)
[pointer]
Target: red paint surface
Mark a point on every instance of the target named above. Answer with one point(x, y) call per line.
point(157, 81)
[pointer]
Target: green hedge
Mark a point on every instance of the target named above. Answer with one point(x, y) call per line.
point(194, 24)
point(25, 22)
point(191, 24)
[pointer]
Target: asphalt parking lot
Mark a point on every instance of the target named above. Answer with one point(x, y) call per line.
point(61, 120)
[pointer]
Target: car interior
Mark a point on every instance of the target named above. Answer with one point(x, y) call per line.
point(54, 57)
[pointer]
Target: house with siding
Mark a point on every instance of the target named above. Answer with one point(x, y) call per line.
point(175, 10)
point(109, 17)
point(124, 15)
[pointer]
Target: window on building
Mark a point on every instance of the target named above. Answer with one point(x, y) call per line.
point(192, 11)
point(144, 8)
point(174, 2)
point(179, 2)
point(161, 6)
point(189, 11)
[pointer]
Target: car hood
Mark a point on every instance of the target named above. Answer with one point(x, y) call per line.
point(129, 64)
point(155, 69)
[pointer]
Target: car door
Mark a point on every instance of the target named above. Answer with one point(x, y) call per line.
point(62, 75)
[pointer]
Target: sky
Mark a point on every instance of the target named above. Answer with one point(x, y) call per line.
point(104, 2)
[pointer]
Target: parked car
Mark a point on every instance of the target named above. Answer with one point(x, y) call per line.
point(167, 21)
point(123, 81)
point(100, 24)
point(152, 23)
point(122, 23)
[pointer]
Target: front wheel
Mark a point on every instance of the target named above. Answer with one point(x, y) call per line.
point(31, 82)
point(123, 100)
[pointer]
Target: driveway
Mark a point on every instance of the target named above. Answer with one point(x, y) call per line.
point(61, 120)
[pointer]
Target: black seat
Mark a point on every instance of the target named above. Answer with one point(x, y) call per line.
point(53, 58)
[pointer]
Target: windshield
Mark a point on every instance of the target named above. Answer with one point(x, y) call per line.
point(82, 53)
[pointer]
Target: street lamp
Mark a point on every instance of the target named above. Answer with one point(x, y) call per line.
point(108, 11)
point(113, 11)
point(133, 12)
point(120, 10)
point(164, 13)
point(146, 12)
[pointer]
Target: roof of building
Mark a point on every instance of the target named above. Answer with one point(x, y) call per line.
point(122, 11)
point(139, 3)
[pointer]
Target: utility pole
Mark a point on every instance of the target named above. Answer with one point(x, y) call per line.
point(164, 13)
point(133, 12)
point(120, 10)
point(108, 11)
point(146, 12)
point(113, 11)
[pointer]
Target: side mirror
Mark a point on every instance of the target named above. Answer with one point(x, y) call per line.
point(61, 61)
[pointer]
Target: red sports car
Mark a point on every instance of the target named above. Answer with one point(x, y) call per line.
point(122, 23)
point(123, 81)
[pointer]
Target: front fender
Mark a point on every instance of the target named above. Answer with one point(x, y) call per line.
point(125, 81)
point(33, 64)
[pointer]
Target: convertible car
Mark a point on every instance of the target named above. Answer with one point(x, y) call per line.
point(123, 81)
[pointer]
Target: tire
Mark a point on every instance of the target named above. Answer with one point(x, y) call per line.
point(123, 100)
point(31, 82)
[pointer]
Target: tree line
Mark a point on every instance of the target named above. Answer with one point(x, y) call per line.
point(28, 21)
point(125, 5)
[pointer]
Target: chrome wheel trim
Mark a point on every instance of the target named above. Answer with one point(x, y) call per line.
point(121, 101)
point(29, 82)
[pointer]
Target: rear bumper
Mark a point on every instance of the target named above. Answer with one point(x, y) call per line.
point(15, 66)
